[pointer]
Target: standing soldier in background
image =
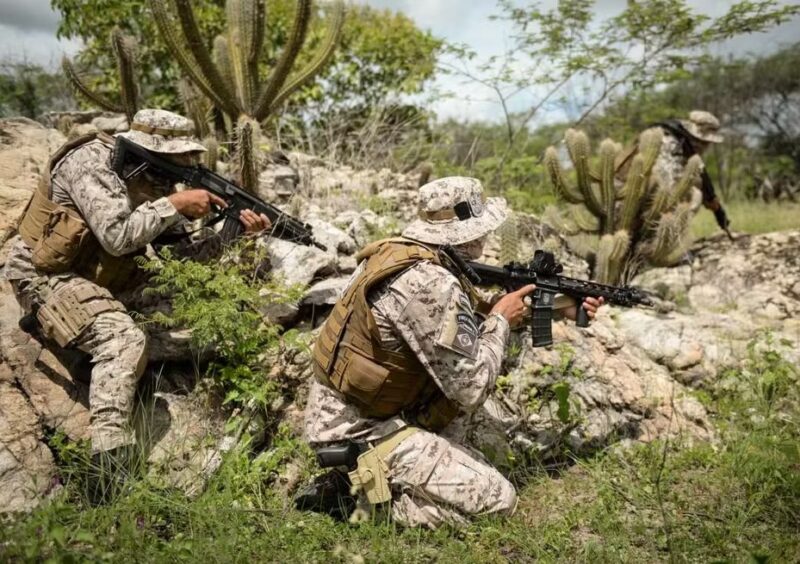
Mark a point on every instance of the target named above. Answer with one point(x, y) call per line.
point(73, 261)
point(682, 140)
point(402, 353)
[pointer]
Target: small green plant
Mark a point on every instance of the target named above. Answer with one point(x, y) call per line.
point(220, 304)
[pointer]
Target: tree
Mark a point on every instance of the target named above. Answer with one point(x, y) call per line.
point(649, 43)
point(382, 54)
point(29, 90)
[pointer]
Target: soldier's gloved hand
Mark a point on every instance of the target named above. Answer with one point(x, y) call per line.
point(591, 305)
point(253, 222)
point(512, 305)
point(195, 203)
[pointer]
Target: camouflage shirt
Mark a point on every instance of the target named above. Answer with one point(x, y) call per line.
point(83, 180)
point(426, 309)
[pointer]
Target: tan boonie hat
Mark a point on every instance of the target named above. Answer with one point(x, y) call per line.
point(163, 132)
point(703, 126)
point(454, 211)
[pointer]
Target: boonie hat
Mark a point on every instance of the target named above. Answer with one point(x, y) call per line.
point(703, 126)
point(454, 211)
point(163, 132)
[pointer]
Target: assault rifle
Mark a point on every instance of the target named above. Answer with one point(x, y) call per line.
point(545, 273)
point(283, 226)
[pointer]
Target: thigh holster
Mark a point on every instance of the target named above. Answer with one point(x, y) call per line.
point(70, 310)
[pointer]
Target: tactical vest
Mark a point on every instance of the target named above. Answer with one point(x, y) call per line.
point(348, 355)
point(62, 241)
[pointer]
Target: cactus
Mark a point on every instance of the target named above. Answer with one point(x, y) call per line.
point(124, 48)
point(621, 225)
point(509, 240)
point(211, 155)
point(229, 76)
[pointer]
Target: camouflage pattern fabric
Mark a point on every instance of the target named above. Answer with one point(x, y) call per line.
point(669, 167)
point(83, 180)
point(434, 479)
point(439, 223)
point(163, 132)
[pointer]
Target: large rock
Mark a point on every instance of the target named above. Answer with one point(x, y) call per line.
point(298, 264)
point(25, 147)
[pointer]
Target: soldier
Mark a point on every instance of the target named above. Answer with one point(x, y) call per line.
point(72, 261)
point(682, 140)
point(402, 353)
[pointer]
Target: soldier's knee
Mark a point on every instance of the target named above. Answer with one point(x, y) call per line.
point(117, 337)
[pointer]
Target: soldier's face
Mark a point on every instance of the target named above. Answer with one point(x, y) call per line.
point(473, 249)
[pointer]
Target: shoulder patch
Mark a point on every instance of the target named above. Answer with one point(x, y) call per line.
point(459, 330)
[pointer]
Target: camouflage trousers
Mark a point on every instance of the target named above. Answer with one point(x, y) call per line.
point(438, 481)
point(119, 350)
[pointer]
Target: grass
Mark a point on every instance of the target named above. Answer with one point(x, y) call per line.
point(750, 216)
point(737, 500)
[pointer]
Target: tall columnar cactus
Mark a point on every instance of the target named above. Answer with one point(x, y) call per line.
point(228, 74)
point(623, 223)
point(509, 240)
point(124, 48)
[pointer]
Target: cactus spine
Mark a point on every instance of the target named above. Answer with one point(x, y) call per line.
point(124, 48)
point(631, 222)
point(229, 75)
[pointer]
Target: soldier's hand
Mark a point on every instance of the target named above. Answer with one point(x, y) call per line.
point(253, 222)
point(195, 203)
point(512, 306)
point(591, 305)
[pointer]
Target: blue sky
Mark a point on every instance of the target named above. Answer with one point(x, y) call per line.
point(27, 30)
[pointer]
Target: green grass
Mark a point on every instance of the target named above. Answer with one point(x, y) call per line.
point(737, 500)
point(750, 216)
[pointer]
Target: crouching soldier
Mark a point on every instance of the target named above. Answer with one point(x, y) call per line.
point(73, 258)
point(402, 353)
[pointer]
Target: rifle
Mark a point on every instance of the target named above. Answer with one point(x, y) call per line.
point(545, 273)
point(283, 226)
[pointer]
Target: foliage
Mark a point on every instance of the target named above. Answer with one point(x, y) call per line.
point(640, 220)
point(751, 216)
point(29, 90)
point(382, 54)
point(220, 305)
point(647, 44)
point(735, 499)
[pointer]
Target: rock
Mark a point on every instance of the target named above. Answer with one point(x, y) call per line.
point(27, 468)
point(671, 284)
point(279, 313)
point(332, 237)
point(369, 226)
point(278, 179)
point(297, 264)
point(25, 147)
point(187, 439)
point(111, 124)
point(346, 264)
point(325, 292)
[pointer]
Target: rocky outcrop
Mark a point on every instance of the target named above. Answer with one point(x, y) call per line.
point(627, 377)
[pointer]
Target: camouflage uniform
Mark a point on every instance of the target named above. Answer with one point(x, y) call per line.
point(434, 479)
point(671, 161)
point(83, 180)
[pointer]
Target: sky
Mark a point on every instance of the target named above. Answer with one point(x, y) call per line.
point(28, 28)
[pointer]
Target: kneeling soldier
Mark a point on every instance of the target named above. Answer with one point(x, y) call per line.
point(73, 259)
point(402, 353)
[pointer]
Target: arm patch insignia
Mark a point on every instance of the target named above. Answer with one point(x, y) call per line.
point(459, 330)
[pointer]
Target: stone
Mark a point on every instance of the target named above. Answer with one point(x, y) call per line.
point(111, 124)
point(335, 239)
point(297, 264)
point(325, 292)
point(27, 468)
point(25, 147)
